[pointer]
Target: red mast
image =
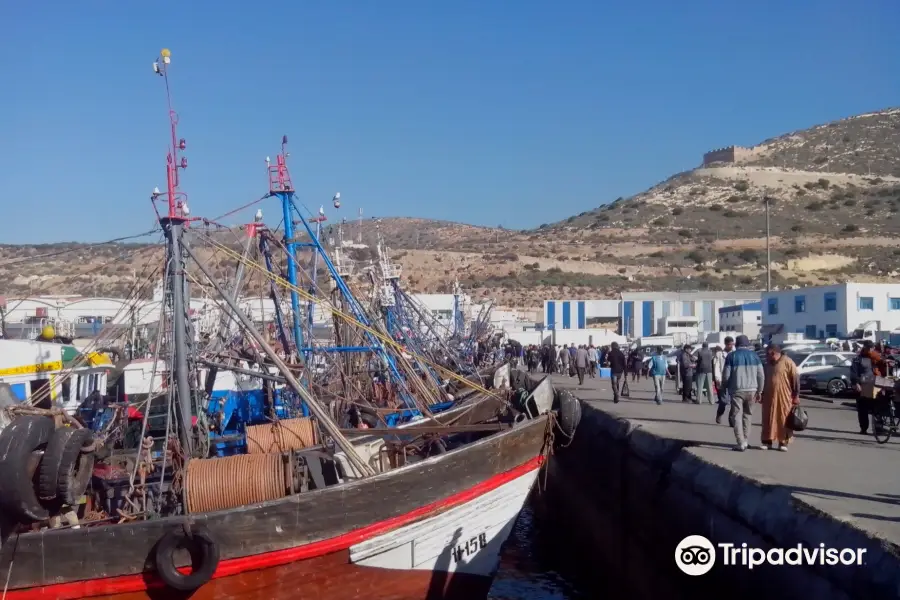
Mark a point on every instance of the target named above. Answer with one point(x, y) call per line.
point(177, 200)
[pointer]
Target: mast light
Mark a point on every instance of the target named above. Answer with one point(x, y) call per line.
point(166, 55)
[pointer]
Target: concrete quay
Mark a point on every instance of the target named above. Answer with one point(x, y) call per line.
point(639, 477)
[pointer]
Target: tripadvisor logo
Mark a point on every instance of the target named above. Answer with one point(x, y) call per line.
point(696, 555)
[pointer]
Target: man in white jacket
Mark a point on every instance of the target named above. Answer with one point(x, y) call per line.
point(719, 356)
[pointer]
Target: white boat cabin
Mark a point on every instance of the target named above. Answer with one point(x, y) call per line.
point(36, 371)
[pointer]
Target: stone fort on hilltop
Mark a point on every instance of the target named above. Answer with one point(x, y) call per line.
point(730, 154)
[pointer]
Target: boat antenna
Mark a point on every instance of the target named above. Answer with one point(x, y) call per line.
point(173, 223)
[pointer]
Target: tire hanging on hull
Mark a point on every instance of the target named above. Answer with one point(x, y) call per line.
point(66, 467)
point(204, 554)
point(18, 441)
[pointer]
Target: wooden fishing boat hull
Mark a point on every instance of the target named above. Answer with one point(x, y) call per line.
point(432, 529)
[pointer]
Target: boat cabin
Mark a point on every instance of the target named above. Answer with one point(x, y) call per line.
point(34, 371)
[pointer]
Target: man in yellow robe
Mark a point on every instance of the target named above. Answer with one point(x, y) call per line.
point(780, 394)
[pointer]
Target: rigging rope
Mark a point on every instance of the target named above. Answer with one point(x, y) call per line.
point(350, 319)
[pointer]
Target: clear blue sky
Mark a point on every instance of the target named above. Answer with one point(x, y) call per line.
point(490, 112)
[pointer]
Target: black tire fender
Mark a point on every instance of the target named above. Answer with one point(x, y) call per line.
point(66, 469)
point(22, 437)
point(204, 553)
point(568, 414)
point(368, 416)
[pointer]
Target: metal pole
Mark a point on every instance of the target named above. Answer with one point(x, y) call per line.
point(174, 231)
point(291, 246)
point(317, 409)
point(768, 252)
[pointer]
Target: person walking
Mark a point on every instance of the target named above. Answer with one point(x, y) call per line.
point(531, 358)
point(704, 376)
point(863, 371)
point(686, 365)
point(572, 360)
point(592, 361)
point(617, 364)
point(659, 366)
point(635, 361)
point(745, 379)
point(780, 395)
point(581, 363)
point(722, 385)
point(563, 360)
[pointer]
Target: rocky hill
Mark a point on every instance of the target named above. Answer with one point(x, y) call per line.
point(833, 193)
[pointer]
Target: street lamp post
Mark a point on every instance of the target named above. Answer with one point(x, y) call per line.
point(768, 252)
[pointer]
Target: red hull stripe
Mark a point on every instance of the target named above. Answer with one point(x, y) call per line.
point(135, 583)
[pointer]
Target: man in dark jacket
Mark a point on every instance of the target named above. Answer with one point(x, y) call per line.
point(617, 364)
point(862, 375)
point(686, 364)
point(704, 375)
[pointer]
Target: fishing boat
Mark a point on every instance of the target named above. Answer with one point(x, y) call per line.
point(302, 507)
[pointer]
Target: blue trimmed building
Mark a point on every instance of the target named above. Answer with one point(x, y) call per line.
point(580, 314)
point(832, 311)
point(641, 314)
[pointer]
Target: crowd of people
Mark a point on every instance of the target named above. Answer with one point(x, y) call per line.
point(733, 376)
point(579, 360)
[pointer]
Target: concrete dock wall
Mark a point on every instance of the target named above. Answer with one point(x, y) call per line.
point(633, 495)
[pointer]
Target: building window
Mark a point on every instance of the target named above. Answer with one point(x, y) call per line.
point(830, 301)
point(810, 332)
point(866, 303)
point(773, 306)
point(895, 303)
point(799, 304)
point(831, 331)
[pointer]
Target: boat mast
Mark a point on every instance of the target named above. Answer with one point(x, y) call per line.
point(173, 223)
point(280, 185)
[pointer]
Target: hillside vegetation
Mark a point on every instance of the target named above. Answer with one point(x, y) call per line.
point(833, 193)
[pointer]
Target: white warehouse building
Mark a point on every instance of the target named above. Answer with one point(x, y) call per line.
point(743, 319)
point(580, 314)
point(652, 313)
point(832, 310)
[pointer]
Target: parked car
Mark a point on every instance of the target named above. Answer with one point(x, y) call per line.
point(808, 362)
point(833, 381)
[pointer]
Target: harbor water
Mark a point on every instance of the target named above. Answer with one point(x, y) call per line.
point(539, 563)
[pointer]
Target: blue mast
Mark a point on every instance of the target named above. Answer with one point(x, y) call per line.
point(281, 186)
